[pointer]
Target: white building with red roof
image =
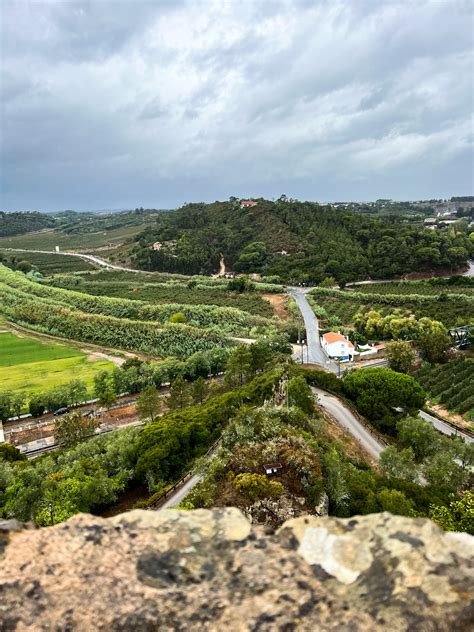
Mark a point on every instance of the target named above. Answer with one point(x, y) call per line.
point(337, 346)
point(247, 203)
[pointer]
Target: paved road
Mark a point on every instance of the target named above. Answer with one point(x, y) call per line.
point(181, 493)
point(445, 428)
point(315, 353)
point(349, 421)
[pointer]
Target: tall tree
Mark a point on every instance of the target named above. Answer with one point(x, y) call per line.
point(73, 428)
point(149, 403)
point(179, 393)
point(239, 366)
point(199, 390)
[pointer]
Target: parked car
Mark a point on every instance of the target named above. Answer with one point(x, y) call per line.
point(61, 411)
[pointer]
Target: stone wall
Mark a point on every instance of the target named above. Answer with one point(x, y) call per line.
point(210, 570)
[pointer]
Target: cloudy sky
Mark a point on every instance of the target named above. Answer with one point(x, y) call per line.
point(125, 103)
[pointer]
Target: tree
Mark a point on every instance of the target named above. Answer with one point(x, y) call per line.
point(395, 502)
point(73, 428)
point(335, 480)
point(300, 395)
point(418, 434)
point(18, 399)
point(36, 405)
point(442, 470)
point(458, 516)
point(400, 355)
point(6, 405)
point(77, 390)
point(108, 397)
point(104, 389)
point(399, 464)
point(261, 356)
point(179, 393)
point(378, 392)
point(149, 403)
point(9, 453)
point(432, 339)
point(239, 366)
point(199, 390)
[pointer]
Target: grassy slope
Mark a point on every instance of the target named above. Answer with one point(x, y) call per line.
point(52, 263)
point(29, 365)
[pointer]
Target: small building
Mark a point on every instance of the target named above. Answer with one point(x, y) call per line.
point(247, 203)
point(272, 468)
point(337, 346)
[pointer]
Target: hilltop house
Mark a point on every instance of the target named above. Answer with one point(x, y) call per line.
point(247, 203)
point(337, 346)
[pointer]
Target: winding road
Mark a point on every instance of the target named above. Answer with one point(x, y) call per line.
point(315, 353)
point(345, 417)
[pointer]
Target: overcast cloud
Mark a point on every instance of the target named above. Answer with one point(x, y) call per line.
point(125, 103)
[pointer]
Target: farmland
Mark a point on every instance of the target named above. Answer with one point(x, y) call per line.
point(32, 366)
point(339, 307)
point(451, 385)
point(53, 263)
point(49, 239)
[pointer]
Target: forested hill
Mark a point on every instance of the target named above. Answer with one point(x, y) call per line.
point(298, 241)
point(20, 223)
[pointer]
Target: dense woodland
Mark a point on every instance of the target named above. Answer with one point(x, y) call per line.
point(316, 241)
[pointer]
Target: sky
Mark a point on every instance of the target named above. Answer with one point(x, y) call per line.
point(113, 104)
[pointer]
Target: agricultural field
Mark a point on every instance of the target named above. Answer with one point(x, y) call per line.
point(434, 287)
point(31, 365)
point(49, 264)
point(451, 385)
point(166, 292)
point(49, 239)
point(339, 307)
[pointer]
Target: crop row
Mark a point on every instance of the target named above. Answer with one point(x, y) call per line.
point(451, 384)
point(148, 337)
point(226, 319)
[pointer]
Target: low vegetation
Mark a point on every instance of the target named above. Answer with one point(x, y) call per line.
point(451, 385)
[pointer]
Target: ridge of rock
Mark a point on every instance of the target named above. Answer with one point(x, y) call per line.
point(211, 570)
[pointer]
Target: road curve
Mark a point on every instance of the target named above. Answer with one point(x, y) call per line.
point(349, 421)
point(92, 258)
point(445, 428)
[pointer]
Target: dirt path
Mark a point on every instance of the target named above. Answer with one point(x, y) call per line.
point(279, 303)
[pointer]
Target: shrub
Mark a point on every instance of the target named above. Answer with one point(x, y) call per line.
point(257, 486)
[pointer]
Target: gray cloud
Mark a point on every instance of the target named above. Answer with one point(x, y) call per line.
point(125, 103)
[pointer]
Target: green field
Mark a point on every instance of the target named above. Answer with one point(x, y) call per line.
point(27, 364)
point(48, 239)
point(52, 263)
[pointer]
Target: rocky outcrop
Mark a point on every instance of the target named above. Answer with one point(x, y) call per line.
point(210, 570)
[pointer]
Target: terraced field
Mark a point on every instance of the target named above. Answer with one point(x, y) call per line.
point(451, 385)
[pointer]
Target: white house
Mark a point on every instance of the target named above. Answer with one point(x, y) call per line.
point(337, 346)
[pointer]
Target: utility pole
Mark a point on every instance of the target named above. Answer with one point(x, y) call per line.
point(50, 509)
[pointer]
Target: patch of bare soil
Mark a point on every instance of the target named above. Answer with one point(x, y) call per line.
point(279, 304)
point(98, 355)
point(351, 447)
point(450, 416)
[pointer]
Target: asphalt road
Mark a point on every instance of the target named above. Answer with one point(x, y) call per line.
point(181, 493)
point(347, 420)
point(315, 353)
point(445, 428)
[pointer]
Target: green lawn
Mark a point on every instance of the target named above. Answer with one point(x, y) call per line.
point(27, 364)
